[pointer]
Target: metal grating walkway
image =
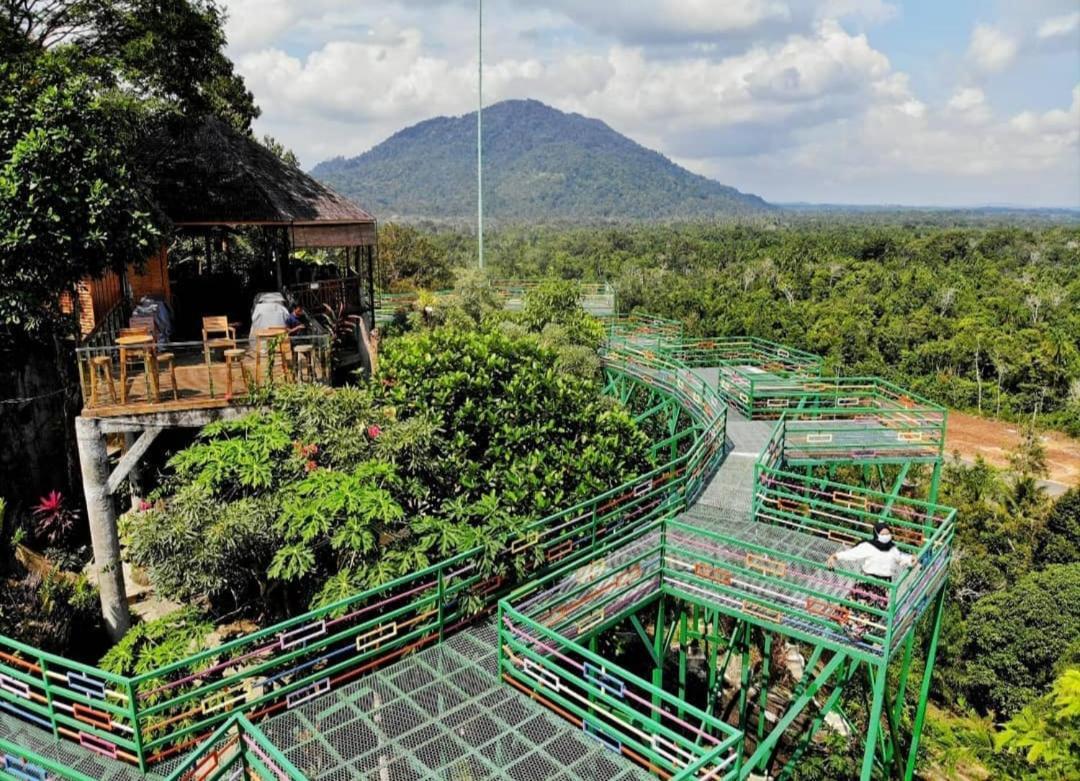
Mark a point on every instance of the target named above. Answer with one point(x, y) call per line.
point(441, 714)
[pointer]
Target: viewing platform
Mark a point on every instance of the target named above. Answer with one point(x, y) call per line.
point(152, 377)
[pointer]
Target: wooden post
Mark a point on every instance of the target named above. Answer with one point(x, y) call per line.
point(101, 515)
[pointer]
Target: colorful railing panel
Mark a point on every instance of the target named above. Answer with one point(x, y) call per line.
point(622, 712)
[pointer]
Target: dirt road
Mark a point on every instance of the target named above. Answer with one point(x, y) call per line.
point(992, 439)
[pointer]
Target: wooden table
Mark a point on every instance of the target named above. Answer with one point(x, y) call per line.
point(144, 346)
point(284, 350)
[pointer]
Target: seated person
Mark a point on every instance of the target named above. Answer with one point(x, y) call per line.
point(272, 314)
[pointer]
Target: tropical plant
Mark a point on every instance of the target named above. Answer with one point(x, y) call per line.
point(1047, 732)
point(1016, 636)
point(53, 519)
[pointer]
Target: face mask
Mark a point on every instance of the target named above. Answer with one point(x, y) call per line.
point(884, 538)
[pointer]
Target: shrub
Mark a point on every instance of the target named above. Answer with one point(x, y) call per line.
point(50, 612)
point(1016, 636)
point(151, 645)
point(1059, 542)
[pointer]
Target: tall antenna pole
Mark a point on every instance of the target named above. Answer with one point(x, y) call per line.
point(480, 130)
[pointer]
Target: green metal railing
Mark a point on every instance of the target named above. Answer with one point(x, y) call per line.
point(543, 631)
point(238, 749)
point(151, 717)
point(148, 718)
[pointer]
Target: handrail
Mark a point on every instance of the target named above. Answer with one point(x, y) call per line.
point(149, 717)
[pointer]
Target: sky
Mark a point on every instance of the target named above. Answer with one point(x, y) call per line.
point(917, 102)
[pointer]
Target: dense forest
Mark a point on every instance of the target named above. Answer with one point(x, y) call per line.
point(982, 318)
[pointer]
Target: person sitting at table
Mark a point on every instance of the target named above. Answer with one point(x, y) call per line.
point(273, 314)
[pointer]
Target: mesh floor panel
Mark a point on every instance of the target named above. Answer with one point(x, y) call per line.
point(66, 753)
point(441, 714)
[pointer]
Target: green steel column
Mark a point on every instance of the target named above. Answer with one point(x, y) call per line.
point(441, 602)
point(763, 694)
point(136, 728)
point(500, 628)
point(924, 689)
point(873, 726)
point(48, 697)
point(935, 482)
point(658, 657)
point(744, 699)
point(682, 660)
point(905, 672)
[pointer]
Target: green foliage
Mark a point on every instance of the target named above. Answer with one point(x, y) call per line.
point(1047, 732)
point(984, 318)
point(197, 547)
point(151, 645)
point(463, 439)
point(408, 259)
point(84, 84)
point(49, 612)
point(514, 425)
point(1015, 637)
point(70, 202)
point(1059, 543)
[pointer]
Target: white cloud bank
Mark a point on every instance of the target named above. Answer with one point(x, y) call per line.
point(806, 110)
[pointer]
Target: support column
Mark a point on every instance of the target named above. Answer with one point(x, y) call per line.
point(101, 515)
point(136, 478)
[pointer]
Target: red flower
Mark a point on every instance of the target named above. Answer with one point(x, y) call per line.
point(144, 506)
point(373, 431)
point(310, 466)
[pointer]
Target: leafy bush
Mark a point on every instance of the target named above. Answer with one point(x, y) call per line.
point(1047, 732)
point(151, 645)
point(50, 611)
point(462, 440)
point(1016, 636)
point(1059, 542)
point(197, 547)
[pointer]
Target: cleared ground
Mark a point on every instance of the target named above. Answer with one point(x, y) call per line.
point(973, 436)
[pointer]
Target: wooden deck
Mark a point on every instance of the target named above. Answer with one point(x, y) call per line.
point(197, 387)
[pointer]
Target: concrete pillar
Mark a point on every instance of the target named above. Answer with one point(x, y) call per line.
point(136, 479)
point(101, 514)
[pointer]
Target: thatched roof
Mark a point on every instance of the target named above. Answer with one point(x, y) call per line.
point(210, 174)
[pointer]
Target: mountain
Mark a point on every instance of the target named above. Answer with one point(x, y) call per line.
point(540, 165)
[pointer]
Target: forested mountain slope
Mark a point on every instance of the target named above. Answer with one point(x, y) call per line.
point(540, 165)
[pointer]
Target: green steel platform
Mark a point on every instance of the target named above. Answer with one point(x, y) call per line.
point(440, 714)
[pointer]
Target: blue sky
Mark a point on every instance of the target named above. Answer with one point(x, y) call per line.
point(953, 102)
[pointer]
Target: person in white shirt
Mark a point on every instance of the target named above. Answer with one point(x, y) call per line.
point(878, 558)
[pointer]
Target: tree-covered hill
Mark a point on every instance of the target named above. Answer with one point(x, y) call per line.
point(540, 165)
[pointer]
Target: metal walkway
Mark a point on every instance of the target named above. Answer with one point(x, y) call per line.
point(440, 714)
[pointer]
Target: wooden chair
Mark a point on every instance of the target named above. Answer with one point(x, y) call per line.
point(234, 355)
point(217, 334)
point(101, 365)
point(144, 323)
point(305, 360)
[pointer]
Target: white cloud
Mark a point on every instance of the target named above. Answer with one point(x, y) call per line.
point(970, 104)
point(1059, 26)
point(793, 104)
point(990, 48)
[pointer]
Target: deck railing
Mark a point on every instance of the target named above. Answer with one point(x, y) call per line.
point(157, 715)
point(191, 375)
point(348, 294)
point(542, 652)
point(869, 428)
